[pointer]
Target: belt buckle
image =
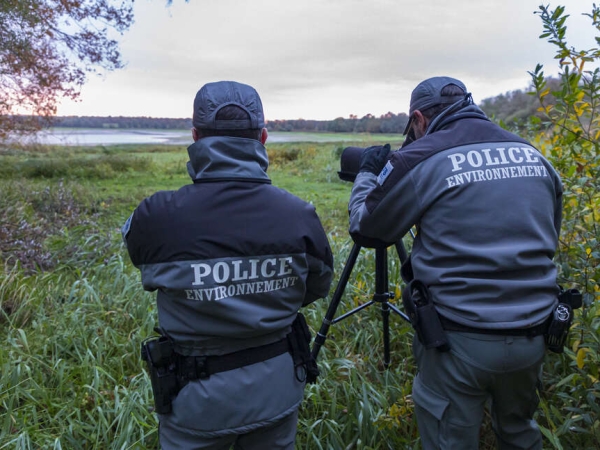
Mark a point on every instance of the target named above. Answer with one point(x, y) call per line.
point(201, 365)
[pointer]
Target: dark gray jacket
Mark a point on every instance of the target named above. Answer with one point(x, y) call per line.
point(232, 259)
point(487, 208)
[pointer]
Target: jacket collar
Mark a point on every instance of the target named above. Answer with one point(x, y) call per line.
point(213, 158)
point(468, 111)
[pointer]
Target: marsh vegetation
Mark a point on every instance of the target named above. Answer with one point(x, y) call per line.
point(73, 313)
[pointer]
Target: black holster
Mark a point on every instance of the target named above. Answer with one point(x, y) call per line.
point(170, 372)
point(423, 316)
point(160, 358)
point(299, 338)
point(561, 319)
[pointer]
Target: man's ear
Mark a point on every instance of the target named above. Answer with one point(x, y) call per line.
point(195, 134)
point(263, 136)
point(420, 124)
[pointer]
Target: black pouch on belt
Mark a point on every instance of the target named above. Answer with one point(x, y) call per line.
point(299, 341)
point(423, 316)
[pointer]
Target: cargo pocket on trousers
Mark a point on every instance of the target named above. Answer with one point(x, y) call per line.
point(433, 406)
point(437, 427)
point(430, 401)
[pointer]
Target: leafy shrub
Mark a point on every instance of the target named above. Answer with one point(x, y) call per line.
point(570, 138)
point(282, 155)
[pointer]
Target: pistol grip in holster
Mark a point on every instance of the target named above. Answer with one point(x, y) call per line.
point(159, 355)
point(423, 316)
point(561, 319)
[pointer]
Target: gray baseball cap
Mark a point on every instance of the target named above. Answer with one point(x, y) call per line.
point(428, 93)
point(212, 97)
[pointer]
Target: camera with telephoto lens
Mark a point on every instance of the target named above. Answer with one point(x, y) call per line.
point(350, 163)
point(350, 160)
point(561, 319)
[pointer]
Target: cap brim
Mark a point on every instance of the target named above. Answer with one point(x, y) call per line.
point(409, 123)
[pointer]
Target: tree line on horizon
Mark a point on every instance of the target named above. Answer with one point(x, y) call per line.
point(514, 107)
point(42, 60)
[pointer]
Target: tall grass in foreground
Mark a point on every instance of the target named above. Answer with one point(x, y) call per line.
point(73, 315)
point(71, 376)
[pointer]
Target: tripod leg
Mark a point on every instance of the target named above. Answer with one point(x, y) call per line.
point(381, 292)
point(385, 313)
point(402, 253)
point(335, 301)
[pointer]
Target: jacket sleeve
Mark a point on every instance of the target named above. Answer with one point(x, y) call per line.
point(320, 261)
point(130, 231)
point(386, 214)
point(125, 229)
point(133, 233)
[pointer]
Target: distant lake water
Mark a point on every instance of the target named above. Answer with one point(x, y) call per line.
point(93, 136)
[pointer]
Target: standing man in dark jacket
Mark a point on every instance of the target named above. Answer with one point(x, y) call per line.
point(232, 259)
point(487, 209)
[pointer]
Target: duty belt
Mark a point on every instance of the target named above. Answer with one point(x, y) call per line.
point(202, 367)
point(450, 325)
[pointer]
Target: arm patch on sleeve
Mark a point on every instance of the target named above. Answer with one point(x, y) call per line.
point(385, 172)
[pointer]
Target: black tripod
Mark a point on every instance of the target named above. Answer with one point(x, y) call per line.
point(381, 296)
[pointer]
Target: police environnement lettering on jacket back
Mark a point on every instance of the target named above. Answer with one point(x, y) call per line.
point(232, 259)
point(487, 207)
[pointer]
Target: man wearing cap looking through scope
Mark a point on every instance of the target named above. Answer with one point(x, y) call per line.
point(232, 259)
point(487, 208)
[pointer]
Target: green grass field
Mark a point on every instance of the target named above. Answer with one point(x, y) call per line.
point(73, 313)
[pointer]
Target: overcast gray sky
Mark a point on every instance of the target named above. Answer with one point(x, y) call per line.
point(322, 59)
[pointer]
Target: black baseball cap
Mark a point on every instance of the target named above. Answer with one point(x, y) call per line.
point(212, 97)
point(428, 93)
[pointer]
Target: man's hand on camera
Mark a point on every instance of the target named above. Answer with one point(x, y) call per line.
point(374, 158)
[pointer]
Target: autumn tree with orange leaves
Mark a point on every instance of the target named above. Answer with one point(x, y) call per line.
point(48, 48)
